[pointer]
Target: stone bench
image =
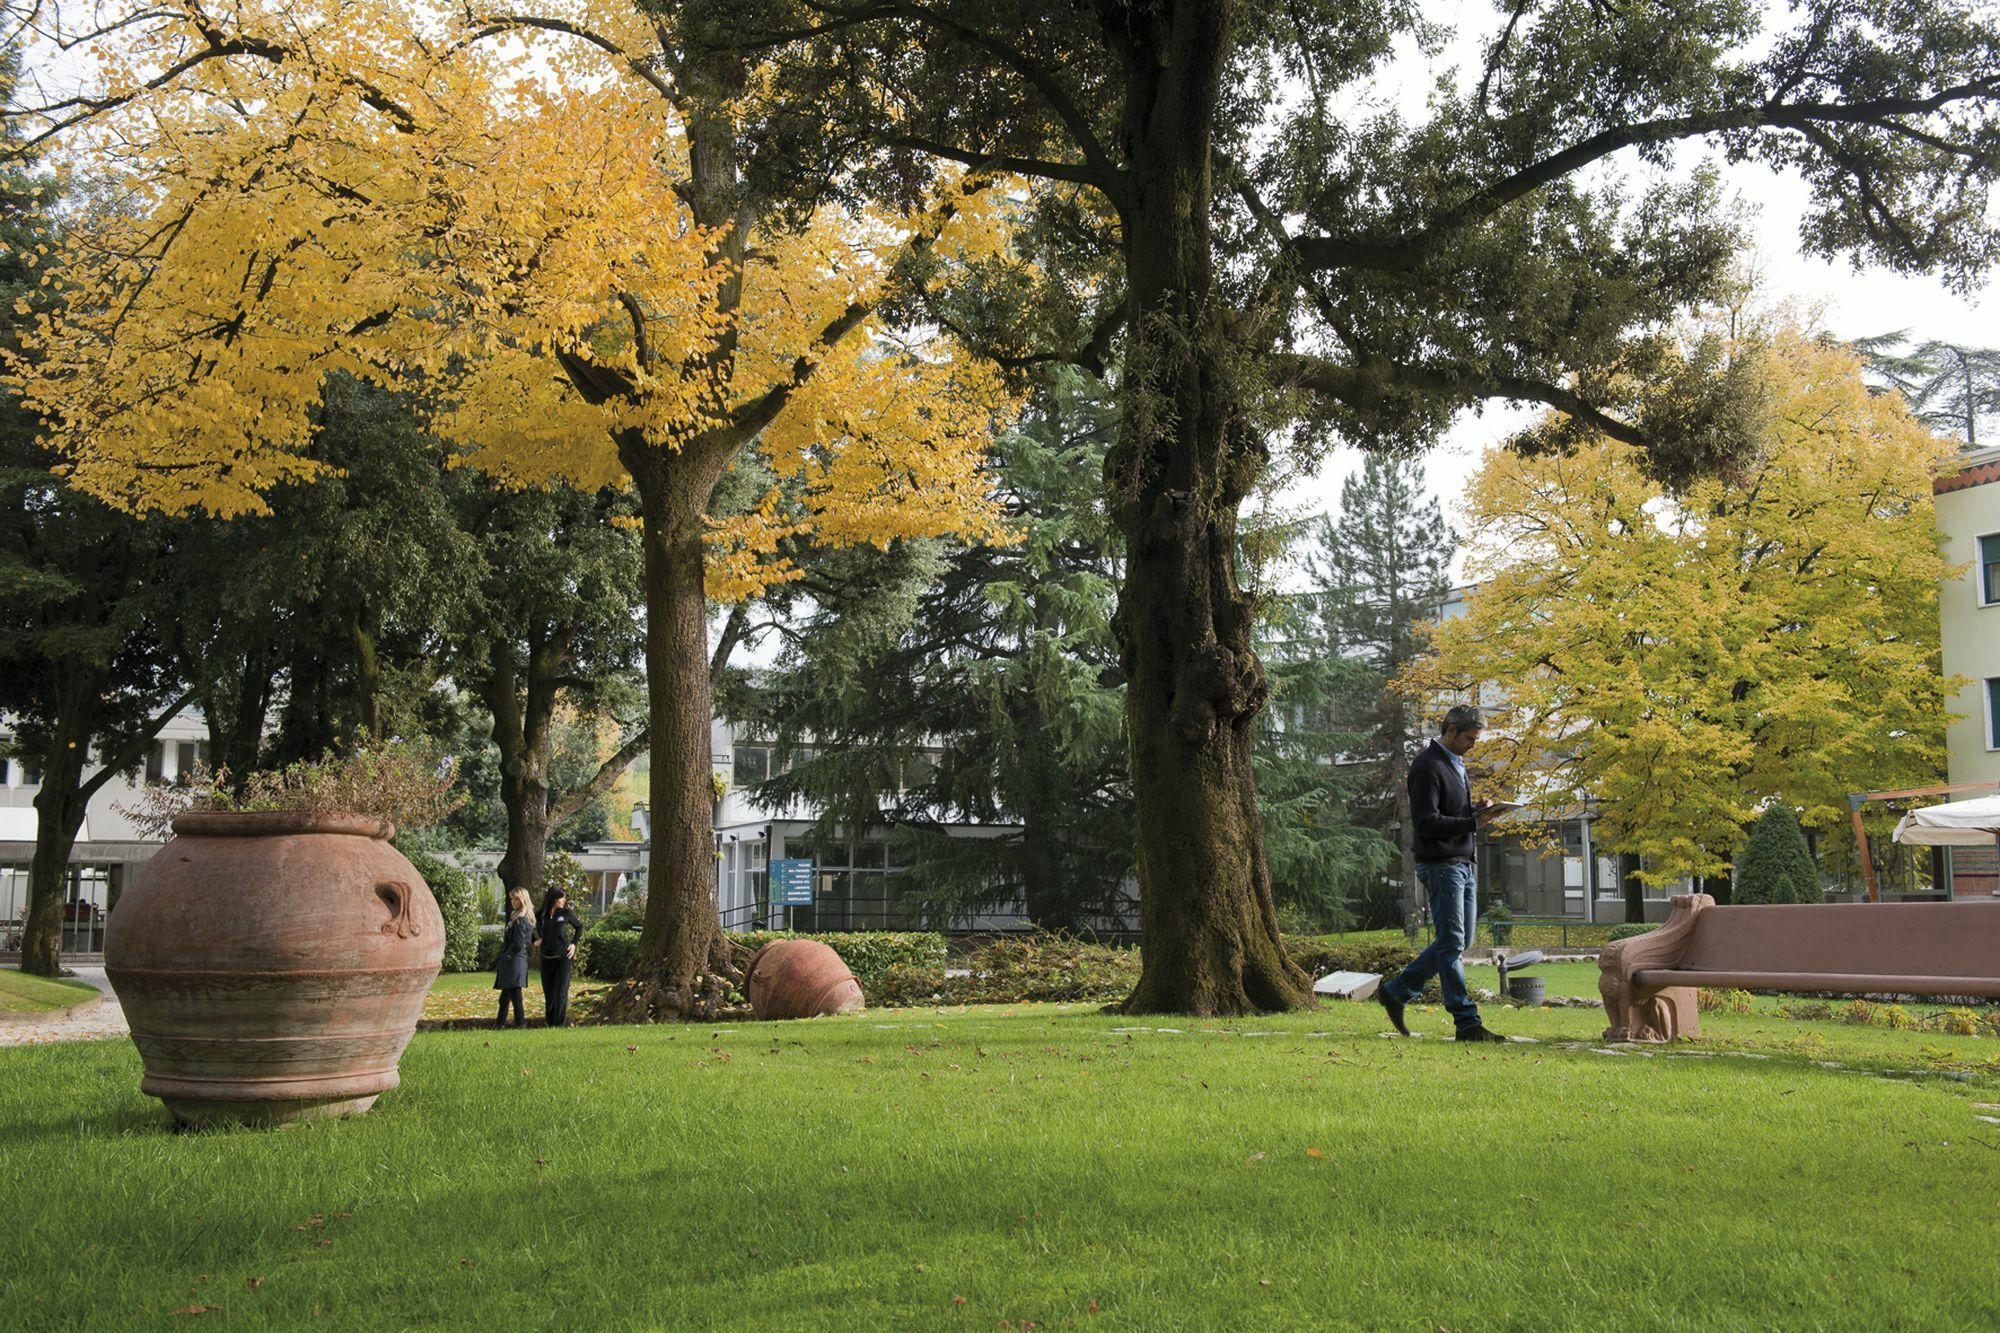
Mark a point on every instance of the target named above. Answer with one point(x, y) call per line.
point(1649, 981)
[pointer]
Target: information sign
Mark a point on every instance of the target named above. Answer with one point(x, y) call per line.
point(791, 883)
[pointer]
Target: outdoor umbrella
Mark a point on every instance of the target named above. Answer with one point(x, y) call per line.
point(1955, 824)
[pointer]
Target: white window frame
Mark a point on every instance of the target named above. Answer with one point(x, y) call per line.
point(1979, 571)
point(1986, 706)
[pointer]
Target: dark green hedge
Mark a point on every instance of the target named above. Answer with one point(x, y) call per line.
point(453, 891)
point(867, 953)
point(607, 954)
point(1630, 929)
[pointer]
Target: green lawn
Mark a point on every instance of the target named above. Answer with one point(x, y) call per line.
point(22, 994)
point(945, 1169)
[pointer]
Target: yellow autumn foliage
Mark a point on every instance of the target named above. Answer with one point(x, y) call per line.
point(460, 201)
point(1680, 660)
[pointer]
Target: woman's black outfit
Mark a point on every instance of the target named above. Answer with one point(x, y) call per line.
point(560, 930)
point(512, 972)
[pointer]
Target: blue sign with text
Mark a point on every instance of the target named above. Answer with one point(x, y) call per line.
point(791, 883)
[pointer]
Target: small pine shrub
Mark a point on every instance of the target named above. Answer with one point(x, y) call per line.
point(455, 900)
point(1776, 866)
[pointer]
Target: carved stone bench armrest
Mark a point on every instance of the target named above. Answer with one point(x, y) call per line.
point(1660, 1015)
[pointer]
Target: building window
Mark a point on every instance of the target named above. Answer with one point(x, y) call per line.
point(1993, 712)
point(1989, 569)
point(753, 764)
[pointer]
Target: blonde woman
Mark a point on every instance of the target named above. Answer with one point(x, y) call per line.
point(512, 974)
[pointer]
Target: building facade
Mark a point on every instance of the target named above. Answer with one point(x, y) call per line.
point(108, 846)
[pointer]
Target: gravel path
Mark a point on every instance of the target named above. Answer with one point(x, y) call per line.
point(88, 1022)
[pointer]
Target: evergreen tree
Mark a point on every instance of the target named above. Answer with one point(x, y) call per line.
point(1950, 387)
point(1776, 865)
point(1325, 866)
point(926, 687)
point(1383, 568)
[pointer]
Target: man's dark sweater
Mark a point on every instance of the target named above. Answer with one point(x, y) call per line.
point(1440, 807)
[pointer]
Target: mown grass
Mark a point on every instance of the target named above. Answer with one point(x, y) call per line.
point(1036, 1165)
point(21, 993)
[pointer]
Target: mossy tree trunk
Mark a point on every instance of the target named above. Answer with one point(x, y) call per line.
point(1187, 455)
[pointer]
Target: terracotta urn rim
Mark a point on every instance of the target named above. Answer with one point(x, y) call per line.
point(268, 823)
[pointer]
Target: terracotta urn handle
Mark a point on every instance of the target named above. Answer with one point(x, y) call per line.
point(396, 897)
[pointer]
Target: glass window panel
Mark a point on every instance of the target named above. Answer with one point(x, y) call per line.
point(1989, 568)
point(156, 762)
point(753, 764)
point(1993, 713)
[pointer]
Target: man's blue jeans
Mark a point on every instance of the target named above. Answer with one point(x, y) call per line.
point(1454, 913)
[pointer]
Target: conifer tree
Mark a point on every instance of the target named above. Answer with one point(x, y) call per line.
point(921, 688)
point(1382, 570)
point(1776, 865)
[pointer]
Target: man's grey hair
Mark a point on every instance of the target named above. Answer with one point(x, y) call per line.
point(1465, 717)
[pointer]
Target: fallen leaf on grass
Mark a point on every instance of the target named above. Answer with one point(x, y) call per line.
point(465, 1263)
point(322, 1242)
point(1314, 1152)
point(253, 1283)
point(958, 1300)
point(1263, 1282)
point(194, 1309)
point(539, 1161)
point(630, 1049)
point(1252, 1158)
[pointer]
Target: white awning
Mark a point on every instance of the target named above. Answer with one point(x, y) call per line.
point(1955, 824)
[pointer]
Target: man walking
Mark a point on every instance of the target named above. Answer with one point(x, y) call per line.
point(1445, 817)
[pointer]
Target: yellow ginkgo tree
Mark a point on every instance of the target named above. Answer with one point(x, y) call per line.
point(1681, 660)
point(543, 219)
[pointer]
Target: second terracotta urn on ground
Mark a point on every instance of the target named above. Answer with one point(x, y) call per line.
point(800, 979)
point(273, 965)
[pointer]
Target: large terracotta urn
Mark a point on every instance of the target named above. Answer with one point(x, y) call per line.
point(273, 964)
point(800, 979)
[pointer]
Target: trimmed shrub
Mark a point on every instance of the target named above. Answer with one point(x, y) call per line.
point(867, 953)
point(607, 954)
point(490, 940)
point(1629, 930)
point(1776, 866)
point(453, 891)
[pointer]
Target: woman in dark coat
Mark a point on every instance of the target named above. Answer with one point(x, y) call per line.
point(512, 973)
point(560, 928)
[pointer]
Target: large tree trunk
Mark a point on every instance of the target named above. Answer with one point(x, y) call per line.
point(685, 967)
point(522, 733)
point(1049, 906)
point(59, 809)
point(1185, 459)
